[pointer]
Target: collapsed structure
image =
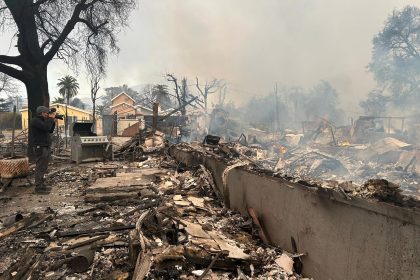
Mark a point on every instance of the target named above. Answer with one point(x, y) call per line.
point(246, 204)
point(154, 219)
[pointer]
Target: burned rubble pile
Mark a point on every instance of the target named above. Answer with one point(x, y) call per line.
point(314, 168)
point(140, 145)
point(149, 219)
point(356, 164)
point(18, 145)
point(322, 151)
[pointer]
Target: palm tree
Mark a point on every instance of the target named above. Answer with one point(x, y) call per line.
point(68, 88)
point(160, 93)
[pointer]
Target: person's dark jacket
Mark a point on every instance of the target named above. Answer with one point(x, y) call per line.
point(41, 130)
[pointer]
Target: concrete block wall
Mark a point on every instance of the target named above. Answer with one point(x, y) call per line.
point(343, 239)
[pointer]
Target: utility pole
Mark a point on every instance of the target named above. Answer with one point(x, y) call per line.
point(13, 131)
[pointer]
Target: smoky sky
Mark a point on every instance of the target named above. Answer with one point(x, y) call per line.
point(252, 44)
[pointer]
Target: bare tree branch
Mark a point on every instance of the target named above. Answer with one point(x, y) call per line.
point(66, 31)
point(16, 60)
point(7, 85)
point(172, 78)
point(198, 87)
point(12, 72)
point(209, 88)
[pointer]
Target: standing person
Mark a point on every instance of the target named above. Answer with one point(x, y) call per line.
point(42, 126)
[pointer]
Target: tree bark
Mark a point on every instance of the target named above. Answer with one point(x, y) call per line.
point(38, 95)
point(31, 60)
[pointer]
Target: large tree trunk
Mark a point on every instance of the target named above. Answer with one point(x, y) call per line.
point(37, 90)
point(31, 59)
point(38, 95)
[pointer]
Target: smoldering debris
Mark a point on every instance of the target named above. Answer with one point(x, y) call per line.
point(150, 217)
point(147, 219)
point(324, 166)
point(323, 151)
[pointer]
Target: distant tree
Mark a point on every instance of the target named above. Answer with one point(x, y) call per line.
point(222, 95)
point(111, 92)
point(181, 91)
point(375, 104)
point(58, 100)
point(160, 94)
point(94, 88)
point(101, 110)
point(156, 93)
point(262, 111)
point(231, 108)
point(7, 85)
point(207, 89)
point(396, 56)
point(295, 99)
point(5, 105)
point(147, 99)
point(76, 102)
point(294, 105)
point(68, 88)
point(173, 79)
point(321, 102)
point(184, 94)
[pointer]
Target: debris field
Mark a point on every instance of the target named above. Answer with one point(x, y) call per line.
point(148, 219)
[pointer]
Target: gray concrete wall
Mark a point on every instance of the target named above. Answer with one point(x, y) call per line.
point(343, 239)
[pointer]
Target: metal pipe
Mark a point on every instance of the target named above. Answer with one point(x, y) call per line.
point(8, 221)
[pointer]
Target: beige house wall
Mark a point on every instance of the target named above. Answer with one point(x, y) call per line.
point(123, 98)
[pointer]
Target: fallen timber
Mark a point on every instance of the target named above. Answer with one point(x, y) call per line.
point(343, 238)
point(188, 232)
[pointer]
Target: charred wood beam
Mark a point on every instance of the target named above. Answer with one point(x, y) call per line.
point(95, 198)
point(144, 259)
point(86, 242)
point(261, 230)
point(18, 225)
point(210, 266)
point(178, 109)
point(223, 264)
point(94, 231)
point(21, 267)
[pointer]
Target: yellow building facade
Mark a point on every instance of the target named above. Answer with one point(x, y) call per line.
point(74, 114)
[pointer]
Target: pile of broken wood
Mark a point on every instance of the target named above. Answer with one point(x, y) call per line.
point(142, 220)
point(140, 145)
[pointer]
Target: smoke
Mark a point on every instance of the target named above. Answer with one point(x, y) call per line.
point(251, 44)
point(254, 44)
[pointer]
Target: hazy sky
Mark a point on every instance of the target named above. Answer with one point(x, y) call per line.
point(252, 44)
